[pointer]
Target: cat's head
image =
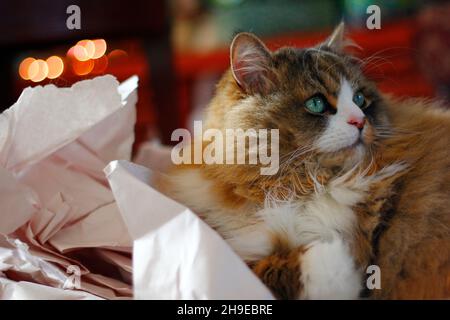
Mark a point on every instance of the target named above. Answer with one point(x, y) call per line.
point(317, 97)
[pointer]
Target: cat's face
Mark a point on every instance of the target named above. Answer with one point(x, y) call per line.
point(317, 97)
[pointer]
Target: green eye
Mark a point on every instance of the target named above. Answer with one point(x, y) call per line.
point(359, 99)
point(315, 105)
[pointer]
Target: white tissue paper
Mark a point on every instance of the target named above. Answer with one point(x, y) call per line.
point(78, 220)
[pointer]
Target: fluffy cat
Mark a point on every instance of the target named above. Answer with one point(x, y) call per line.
point(364, 179)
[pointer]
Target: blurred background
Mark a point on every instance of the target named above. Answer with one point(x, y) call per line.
point(179, 48)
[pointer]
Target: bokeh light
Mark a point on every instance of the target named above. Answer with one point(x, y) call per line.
point(117, 54)
point(89, 46)
point(100, 48)
point(33, 70)
point(85, 57)
point(100, 65)
point(82, 68)
point(24, 68)
point(80, 53)
point(55, 67)
point(42, 70)
point(70, 53)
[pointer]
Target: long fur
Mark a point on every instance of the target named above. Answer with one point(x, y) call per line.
point(311, 230)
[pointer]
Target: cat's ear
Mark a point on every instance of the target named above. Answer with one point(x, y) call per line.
point(251, 64)
point(337, 39)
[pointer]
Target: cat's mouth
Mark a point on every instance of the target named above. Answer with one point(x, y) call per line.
point(363, 139)
point(357, 145)
point(358, 142)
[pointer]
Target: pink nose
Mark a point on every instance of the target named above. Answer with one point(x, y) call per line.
point(357, 122)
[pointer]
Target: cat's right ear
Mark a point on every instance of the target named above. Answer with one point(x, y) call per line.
point(251, 64)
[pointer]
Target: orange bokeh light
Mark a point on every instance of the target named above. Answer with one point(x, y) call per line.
point(70, 53)
point(24, 68)
point(118, 54)
point(42, 70)
point(100, 48)
point(55, 67)
point(33, 70)
point(82, 68)
point(100, 65)
point(86, 56)
point(89, 46)
point(80, 53)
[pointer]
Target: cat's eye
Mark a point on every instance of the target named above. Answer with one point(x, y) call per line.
point(359, 99)
point(315, 104)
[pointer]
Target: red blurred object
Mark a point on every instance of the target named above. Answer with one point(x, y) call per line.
point(391, 50)
point(434, 46)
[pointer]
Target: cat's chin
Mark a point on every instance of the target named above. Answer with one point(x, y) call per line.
point(356, 152)
point(346, 157)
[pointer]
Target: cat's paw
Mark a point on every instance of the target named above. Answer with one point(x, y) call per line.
point(328, 271)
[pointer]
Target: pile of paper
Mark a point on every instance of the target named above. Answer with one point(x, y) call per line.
point(79, 221)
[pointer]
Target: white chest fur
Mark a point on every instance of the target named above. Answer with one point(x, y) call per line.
point(322, 218)
point(323, 223)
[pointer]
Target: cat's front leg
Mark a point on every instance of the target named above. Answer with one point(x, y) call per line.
point(321, 270)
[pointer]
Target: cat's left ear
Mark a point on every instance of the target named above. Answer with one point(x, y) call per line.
point(337, 39)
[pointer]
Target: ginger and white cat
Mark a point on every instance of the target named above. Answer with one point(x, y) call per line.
point(364, 179)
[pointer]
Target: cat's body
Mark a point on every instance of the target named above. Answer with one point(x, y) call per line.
point(412, 242)
point(356, 186)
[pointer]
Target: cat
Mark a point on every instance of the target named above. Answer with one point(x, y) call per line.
point(364, 178)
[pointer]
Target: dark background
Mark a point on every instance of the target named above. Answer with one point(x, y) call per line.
point(179, 49)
